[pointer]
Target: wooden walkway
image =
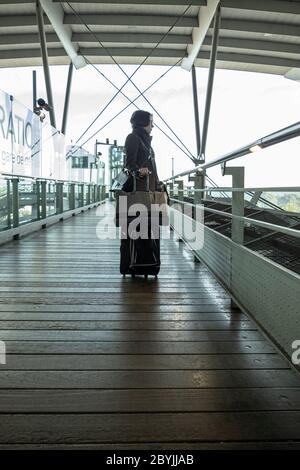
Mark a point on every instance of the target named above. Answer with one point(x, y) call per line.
point(100, 362)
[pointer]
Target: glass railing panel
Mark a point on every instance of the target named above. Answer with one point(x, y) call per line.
point(50, 198)
point(86, 194)
point(28, 201)
point(5, 204)
point(66, 197)
point(76, 196)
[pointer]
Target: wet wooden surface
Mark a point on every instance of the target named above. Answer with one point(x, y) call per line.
point(95, 360)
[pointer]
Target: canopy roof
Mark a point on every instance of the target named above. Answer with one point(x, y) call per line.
point(255, 35)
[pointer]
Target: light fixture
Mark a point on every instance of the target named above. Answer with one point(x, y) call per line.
point(255, 148)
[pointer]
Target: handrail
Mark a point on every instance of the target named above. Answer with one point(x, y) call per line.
point(39, 178)
point(267, 225)
point(275, 138)
point(293, 189)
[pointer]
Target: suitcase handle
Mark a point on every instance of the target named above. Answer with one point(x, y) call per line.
point(134, 181)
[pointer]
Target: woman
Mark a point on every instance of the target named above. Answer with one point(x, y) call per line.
point(140, 256)
point(140, 159)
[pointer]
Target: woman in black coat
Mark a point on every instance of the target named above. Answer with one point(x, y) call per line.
point(140, 159)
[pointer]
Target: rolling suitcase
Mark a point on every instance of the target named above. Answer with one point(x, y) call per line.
point(140, 256)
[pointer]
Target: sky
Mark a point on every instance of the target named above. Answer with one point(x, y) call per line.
point(245, 106)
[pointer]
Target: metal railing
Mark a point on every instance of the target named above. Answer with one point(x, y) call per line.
point(236, 195)
point(26, 199)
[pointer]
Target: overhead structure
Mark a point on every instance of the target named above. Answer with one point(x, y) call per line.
point(44, 54)
point(205, 17)
point(255, 35)
point(55, 14)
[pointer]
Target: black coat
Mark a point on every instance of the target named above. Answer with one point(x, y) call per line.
point(137, 156)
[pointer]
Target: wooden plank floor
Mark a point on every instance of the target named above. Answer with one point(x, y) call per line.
point(96, 360)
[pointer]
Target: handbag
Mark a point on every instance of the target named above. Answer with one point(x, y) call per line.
point(120, 180)
point(129, 199)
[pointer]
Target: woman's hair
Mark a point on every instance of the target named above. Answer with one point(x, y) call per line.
point(140, 118)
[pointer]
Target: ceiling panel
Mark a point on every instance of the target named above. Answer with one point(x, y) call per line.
point(255, 35)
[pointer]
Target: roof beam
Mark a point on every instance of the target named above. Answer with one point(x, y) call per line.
point(7, 2)
point(277, 6)
point(131, 52)
point(20, 20)
point(256, 45)
point(132, 20)
point(286, 29)
point(140, 38)
point(261, 27)
point(252, 59)
point(30, 53)
point(55, 14)
point(206, 14)
point(105, 20)
point(29, 38)
point(137, 38)
point(145, 2)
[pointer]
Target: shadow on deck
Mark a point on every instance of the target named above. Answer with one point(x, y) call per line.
point(95, 360)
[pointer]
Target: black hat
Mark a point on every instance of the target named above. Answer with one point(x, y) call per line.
point(140, 118)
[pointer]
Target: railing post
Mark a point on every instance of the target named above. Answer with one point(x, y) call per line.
point(238, 202)
point(180, 189)
point(81, 198)
point(15, 202)
point(37, 189)
point(71, 196)
point(238, 207)
point(59, 197)
point(199, 183)
point(87, 194)
point(43, 186)
point(8, 203)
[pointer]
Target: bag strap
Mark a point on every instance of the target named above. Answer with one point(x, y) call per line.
point(148, 158)
point(145, 149)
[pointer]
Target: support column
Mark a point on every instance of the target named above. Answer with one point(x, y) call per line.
point(211, 76)
point(238, 203)
point(196, 111)
point(43, 44)
point(67, 99)
point(34, 94)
